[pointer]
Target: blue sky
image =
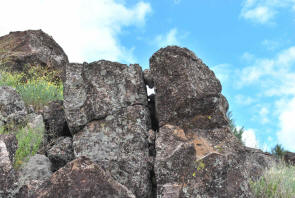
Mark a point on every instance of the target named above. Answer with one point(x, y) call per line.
point(250, 44)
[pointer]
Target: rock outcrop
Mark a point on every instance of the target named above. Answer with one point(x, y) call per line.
point(32, 47)
point(196, 154)
point(106, 109)
point(107, 138)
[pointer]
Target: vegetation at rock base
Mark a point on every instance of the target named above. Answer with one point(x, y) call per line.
point(276, 182)
point(238, 132)
point(29, 142)
point(37, 87)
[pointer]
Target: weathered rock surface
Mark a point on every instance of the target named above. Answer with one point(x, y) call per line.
point(61, 153)
point(33, 174)
point(33, 47)
point(12, 107)
point(196, 153)
point(106, 110)
point(82, 178)
point(119, 144)
point(11, 144)
point(187, 91)
point(289, 157)
point(7, 173)
point(96, 90)
point(55, 121)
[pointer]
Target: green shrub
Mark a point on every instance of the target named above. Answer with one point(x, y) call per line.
point(276, 182)
point(29, 142)
point(37, 87)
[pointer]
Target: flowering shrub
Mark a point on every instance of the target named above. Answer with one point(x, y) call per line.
point(37, 87)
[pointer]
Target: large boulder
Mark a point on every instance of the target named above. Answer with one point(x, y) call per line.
point(196, 153)
point(82, 178)
point(96, 90)
point(187, 92)
point(106, 108)
point(31, 47)
point(12, 107)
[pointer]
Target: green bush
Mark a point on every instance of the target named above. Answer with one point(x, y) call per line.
point(29, 142)
point(37, 86)
point(276, 182)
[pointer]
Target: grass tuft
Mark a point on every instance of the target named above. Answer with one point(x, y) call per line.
point(29, 142)
point(276, 182)
point(37, 87)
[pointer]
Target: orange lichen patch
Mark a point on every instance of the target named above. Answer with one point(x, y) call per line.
point(177, 132)
point(202, 147)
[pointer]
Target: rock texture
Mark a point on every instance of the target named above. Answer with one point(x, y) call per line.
point(82, 178)
point(196, 154)
point(33, 47)
point(32, 175)
point(106, 110)
point(7, 173)
point(55, 121)
point(96, 90)
point(12, 107)
point(61, 153)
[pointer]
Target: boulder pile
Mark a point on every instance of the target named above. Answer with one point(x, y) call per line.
point(108, 138)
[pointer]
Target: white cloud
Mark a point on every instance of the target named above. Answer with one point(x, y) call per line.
point(275, 79)
point(249, 138)
point(86, 29)
point(171, 38)
point(176, 1)
point(263, 11)
point(276, 75)
point(259, 14)
point(286, 134)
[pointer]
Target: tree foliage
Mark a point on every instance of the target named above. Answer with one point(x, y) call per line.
point(238, 132)
point(278, 151)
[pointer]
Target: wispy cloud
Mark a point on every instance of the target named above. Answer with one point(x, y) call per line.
point(170, 38)
point(275, 79)
point(263, 11)
point(87, 29)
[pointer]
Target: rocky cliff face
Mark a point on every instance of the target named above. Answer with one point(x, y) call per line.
point(112, 140)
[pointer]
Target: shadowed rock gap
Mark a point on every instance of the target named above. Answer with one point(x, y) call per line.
point(152, 139)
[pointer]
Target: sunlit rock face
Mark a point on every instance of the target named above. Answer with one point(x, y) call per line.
point(196, 154)
point(107, 112)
